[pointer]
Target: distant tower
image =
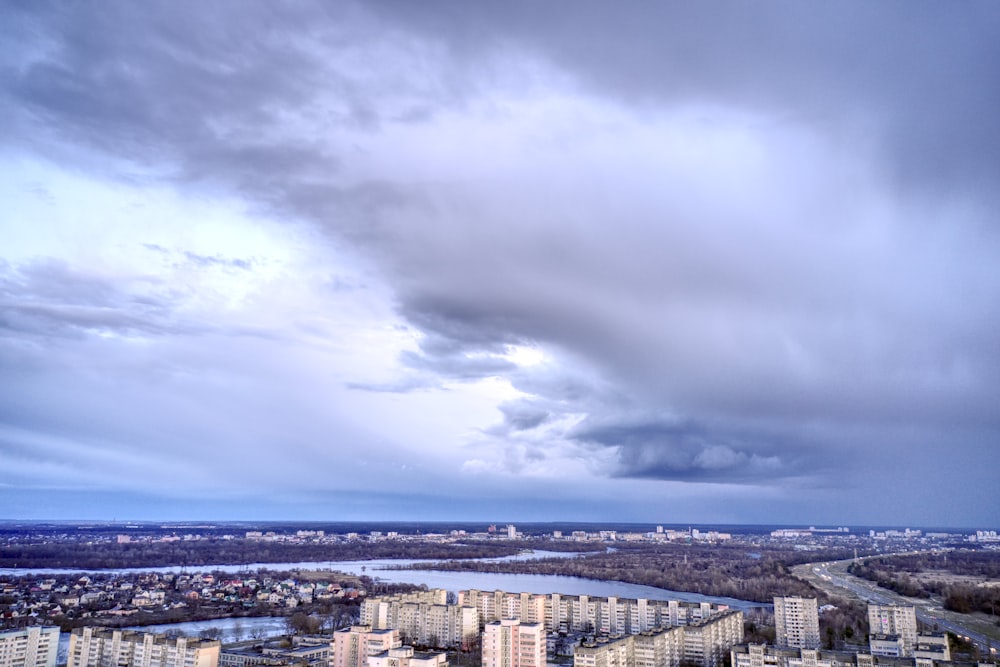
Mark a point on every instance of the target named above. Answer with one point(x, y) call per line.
point(796, 622)
point(511, 532)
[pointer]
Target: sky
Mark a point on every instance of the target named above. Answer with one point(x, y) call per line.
point(714, 262)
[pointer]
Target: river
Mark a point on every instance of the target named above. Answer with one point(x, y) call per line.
point(449, 580)
point(383, 570)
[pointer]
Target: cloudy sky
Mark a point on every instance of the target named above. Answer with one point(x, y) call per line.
point(692, 262)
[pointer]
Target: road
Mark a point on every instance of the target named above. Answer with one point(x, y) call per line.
point(833, 578)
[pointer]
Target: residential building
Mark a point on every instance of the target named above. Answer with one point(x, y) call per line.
point(382, 612)
point(34, 646)
point(705, 643)
point(893, 629)
point(99, 647)
point(796, 622)
point(304, 652)
point(583, 613)
point(760, 655)
point(659, 648)
point(511, 643)
point(708, 642)
point(606, 652)
point(933, 645)
point(353, 646)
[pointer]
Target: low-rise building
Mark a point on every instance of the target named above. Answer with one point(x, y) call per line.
point(405, 656)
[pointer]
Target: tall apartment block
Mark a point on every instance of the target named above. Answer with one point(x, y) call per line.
point(583, 613)
point(511, 643)
point(353, 646)
point(98, 647)
point(893, 629)
point(34, 646)
point(706, 644)
point(796, 622)
point(424, 618)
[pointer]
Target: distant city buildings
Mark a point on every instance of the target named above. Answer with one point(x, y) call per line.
point(34, 646)
point(796, 622)
point(99, 647)
point(808, 532)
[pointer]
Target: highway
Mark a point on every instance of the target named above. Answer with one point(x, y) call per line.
point(833, 575)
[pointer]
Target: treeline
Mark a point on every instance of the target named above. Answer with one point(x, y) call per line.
point(710, 570)
point(896, 574)
point(973, 563)
point(966, 599)
point(891, 579)
point(201, 553)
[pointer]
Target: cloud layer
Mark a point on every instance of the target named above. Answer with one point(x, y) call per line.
point(694, 263)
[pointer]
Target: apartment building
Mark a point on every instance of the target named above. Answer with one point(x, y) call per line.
point(351, 647)
point(382, 612)
point(658, 648)
point(511, 643)
point(709, 641)
point(34, 646)
point(583, 613)
point(99, 647)
point(796, 622)
point(606, 652)
point(705, 643)
point(893, 629)
point(437, 625)
point(760, 655)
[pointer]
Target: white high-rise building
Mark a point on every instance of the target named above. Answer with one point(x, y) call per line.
point(705, 644)
point(511, 643)
point(34, 646)
point(796, 622)
point(893, 629)
point(354, 645)
point(99, 647)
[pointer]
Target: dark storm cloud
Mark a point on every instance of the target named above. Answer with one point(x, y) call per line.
point(691, 452)
point(523, 415)
point(839, 293)
point(922, 78)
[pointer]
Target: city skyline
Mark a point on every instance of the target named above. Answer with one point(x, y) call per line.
point(713, 264)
